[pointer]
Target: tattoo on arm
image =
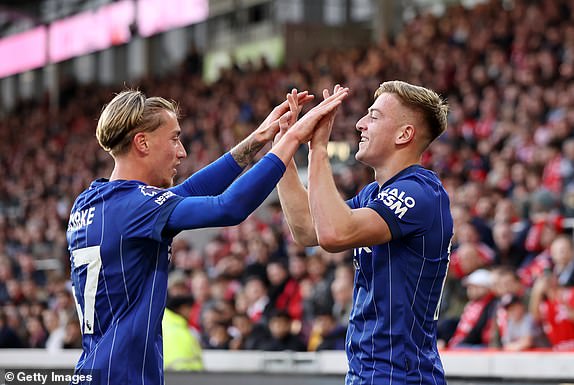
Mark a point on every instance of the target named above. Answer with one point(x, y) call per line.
point(246, 150)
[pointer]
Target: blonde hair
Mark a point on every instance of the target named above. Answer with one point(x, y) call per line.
point(127, 114)
point(434, 109)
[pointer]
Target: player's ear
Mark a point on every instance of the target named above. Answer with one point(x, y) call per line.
point(140, 142)
point(406, 134)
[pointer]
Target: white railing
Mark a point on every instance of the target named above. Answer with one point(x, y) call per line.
point(457, 364)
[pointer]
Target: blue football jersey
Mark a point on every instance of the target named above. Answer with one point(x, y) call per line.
point(119, 263)
point(391, 337)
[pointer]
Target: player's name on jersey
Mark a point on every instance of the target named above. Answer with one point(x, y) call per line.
point(80, 219)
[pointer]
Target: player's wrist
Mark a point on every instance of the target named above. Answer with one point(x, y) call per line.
point(292, 137)
point(318, 152)
point(259, 138)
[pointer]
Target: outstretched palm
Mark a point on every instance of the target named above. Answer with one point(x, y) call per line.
point(282, 114)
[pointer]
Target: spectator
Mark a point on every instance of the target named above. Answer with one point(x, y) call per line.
point(218, 336)
point(342, 293)
point(298, 266)
point(521, 332)
point(327, 333)
point(181, 350)
point(505, 283)
point(474, 325)
point(552, 306)
point(15, 322)
point(55, 329)
point(468, 257)
point(508, 249)
point(544, 232)
point(281, 336)
point(284, 291)
point(177, 284)
point(316, 287)
point(256, 298)
point(6, 274)
point(258, 257)
point(248, 335)
point(201, 293)
point(73, 335)
point(8, 337)
point(185, 257)
point(562, 254)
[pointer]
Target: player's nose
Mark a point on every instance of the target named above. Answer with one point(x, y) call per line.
point(181, 153)
point(360, 126)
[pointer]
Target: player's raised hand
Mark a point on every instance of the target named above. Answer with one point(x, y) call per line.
point(284, 115)
point(323, 132)
point(295, 102)
point(268, 129)
point(305, 127)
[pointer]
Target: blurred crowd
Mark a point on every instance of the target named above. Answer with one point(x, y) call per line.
point(507, 161)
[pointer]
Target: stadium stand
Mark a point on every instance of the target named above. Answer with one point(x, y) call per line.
point(507, 161)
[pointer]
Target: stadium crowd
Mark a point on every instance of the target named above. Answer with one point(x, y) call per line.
point(507, 161)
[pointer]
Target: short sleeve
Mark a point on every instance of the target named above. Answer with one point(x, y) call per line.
point(353, 203)
point(362, 197)
point(407, 206)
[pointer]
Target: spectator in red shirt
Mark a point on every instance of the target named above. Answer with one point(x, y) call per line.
point(552, 174)
point(284, 291)
point(553, 307)
point(473, 328)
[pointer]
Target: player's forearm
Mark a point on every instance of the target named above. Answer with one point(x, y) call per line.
point(286, 148)
point(213, 179)
point(245, 151)
point(234, 205)
point(330, 213)
point(295, 204)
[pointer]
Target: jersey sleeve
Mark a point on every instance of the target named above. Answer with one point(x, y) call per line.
point(234, 204)
point(407, 206)
point(353, 203)
point(213, 179)
point(362, 196)
point(151, 210)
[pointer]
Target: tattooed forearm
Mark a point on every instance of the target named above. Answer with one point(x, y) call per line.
point(245, 151)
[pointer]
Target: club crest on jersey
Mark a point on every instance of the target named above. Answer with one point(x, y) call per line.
point(396, 200)
point(150, 191)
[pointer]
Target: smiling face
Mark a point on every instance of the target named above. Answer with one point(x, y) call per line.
point(165, 150)
point(381, 129)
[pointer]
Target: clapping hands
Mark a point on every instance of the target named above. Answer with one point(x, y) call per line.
point(316, 125)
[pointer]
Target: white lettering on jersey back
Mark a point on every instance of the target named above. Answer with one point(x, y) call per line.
point(80, 219)
point(160, 200)
point(396, 200)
